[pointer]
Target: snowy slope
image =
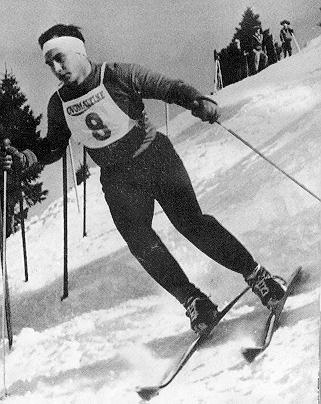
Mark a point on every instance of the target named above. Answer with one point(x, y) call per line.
point(118, 329)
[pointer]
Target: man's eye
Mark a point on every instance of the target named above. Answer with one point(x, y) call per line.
point(59, 58)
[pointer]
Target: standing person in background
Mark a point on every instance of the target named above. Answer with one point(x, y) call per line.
point(238, 60)
point(260, 58)
point(286, 36)
point(101, 105)
point(278, 50)
point(269, 47)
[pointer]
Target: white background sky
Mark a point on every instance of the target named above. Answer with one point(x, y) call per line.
point(175, 37)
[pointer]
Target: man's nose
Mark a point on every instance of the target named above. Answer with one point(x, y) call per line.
point(56, 67)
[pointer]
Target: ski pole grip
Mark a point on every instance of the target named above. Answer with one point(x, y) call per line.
point(196, 103)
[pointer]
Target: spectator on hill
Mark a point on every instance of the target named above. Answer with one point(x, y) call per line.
point(278, 50)
point(269, 47)
point(237, 56)
point(260, 58)
point(286, 35)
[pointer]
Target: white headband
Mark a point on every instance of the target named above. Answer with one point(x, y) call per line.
point(65, 43)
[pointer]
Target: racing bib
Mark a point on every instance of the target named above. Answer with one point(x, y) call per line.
point(94, 119)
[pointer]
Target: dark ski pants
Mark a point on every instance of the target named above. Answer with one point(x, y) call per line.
point(287, 48)
point(159, 174)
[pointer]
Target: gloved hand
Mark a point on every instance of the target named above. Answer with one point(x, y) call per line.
point(11, 158)
point(206, 110)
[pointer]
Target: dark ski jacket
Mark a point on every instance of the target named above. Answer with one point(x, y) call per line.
point(128, 85)
point(286, 34)
point(257, 41)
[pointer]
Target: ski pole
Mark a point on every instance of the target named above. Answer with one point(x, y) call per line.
point(270, 162)
point(65, 225)
point(296, 43)
point(263, 156)
point(23, 234)
point(73, 174)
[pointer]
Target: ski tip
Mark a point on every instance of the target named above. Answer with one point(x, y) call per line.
point(251, 353)
point(147, 393)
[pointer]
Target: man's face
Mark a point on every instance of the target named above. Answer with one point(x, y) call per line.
point(65, 65)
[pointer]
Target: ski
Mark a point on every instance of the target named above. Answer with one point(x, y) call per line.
point(272, 322)
point(148, 392)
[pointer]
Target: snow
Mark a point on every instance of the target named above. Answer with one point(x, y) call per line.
point(118, 329)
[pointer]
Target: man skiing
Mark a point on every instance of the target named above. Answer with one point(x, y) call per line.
point(101, 105)
point(286, 35)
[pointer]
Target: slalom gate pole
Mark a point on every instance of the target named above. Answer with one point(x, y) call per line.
point(166, 117)
point(246, 66)
point(268, 160)
point(23, 234)
point(73, 174)
point(3, 262)
point(65, 225)
point(215, 71)
point(220, 78)
point(85, 192)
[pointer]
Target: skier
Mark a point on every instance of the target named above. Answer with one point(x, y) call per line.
point(260, 57)
point(101, 106)
point(286, 35)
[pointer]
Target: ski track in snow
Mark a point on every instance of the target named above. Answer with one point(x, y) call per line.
point(117, 329)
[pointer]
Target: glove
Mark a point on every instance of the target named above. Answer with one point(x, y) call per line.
point(11, 158)
point(205, 109)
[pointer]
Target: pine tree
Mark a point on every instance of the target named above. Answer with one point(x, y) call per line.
point(19, 125)
point(245, 31)
point(237, 64)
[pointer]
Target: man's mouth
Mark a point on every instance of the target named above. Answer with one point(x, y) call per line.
point(64, 77)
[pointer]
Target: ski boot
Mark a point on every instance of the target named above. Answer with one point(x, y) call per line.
point(202, 313)
point(270, 289)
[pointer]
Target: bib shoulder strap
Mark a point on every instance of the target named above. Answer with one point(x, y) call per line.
point(102, 72)
point(58, 93)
